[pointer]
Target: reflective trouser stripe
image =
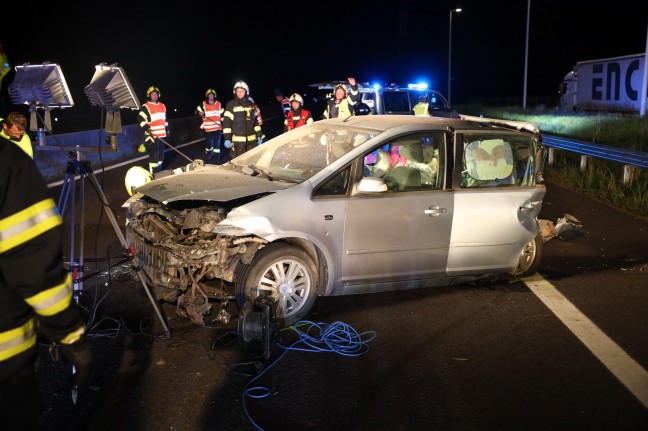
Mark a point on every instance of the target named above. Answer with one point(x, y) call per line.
point(27, 224)
point(18, 340)
point(54, 299)
point(244, 138)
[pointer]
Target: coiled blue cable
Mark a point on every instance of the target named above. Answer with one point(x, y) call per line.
point(337, 337)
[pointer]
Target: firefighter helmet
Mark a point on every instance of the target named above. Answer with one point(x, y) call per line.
point(296, 98)
point(243, 85)
point(135, 177)
point(210, 90)
point(340, 86)
point(151, 89)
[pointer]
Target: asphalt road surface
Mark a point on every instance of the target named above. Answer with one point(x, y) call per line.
point(563, 351)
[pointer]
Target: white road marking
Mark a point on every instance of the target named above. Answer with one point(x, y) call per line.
point(632, 375)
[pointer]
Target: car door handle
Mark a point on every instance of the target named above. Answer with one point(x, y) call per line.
point(529, 207)
point(435, 211)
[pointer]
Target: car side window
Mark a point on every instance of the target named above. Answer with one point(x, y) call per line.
point(490, 161)
point(408, 163)
point(336, 185)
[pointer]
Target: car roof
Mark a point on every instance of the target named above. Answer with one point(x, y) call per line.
point(465, 122)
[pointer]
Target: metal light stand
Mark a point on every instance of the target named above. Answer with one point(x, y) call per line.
point(84, 170)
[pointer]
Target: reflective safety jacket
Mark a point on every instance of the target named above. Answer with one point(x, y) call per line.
point(212, 119)
point(421, 109)
point(343, 108)
point(35, 288)
point(302, 117)
point(240, 121)
point(153, 116)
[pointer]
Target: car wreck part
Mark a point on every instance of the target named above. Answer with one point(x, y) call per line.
point(258, 322)
point(565, 228)
point(286, 273)
point(178, 249)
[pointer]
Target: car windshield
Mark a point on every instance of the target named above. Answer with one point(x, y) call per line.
point(301, 153)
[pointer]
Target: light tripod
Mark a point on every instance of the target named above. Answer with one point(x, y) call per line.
point(68, 193)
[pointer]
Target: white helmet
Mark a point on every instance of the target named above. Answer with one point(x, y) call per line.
point(243, 85)
point(297, 98)
point(135, 177)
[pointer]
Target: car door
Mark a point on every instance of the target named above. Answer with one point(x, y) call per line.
point(496, 202)
point(400, 236)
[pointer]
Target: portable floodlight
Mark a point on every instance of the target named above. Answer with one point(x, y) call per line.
point(40, 86)
point(111, 90)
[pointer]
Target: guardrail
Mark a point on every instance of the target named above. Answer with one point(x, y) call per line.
point(630, 159)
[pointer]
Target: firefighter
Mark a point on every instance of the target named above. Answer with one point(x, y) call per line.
point(13, 129)
point(152, 118)
point(297, 116)
point(240, 121)
point(341, 105)
point(422, 108)
point(211, 110)
point(36, 293)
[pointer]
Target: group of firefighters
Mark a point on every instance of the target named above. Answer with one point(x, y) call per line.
point(235, 128)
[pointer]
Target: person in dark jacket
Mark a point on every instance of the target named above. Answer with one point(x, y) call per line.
point(240, 121)
point(36, 291)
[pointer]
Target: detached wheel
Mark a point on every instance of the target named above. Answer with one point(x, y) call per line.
point(286, 273)
point(530, 257)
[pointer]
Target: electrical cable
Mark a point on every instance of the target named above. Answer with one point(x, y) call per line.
point(337, 337)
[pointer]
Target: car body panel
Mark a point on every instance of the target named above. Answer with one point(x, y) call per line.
point(211, 183)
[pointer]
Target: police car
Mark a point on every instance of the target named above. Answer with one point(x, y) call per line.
point(379, 99)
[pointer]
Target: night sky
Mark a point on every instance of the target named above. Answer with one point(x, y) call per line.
point(191, 46)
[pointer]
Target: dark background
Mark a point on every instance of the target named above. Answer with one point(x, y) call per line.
point(188, 47)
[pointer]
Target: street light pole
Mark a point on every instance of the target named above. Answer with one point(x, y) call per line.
point(450, 53)
point(526, 57)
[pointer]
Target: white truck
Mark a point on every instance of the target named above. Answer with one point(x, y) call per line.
point(608, 84)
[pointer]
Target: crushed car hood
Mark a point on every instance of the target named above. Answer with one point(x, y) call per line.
point(209, 184)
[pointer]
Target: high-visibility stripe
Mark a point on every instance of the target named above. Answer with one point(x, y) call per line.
point(229, 114)
point(27, 224)
point(244, 138)
point(73, 336)
point(16, 341)
point(52, 300)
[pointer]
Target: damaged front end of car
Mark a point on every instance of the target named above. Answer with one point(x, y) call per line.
point(181, 251)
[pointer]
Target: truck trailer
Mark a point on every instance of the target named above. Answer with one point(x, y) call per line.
point(610, 84)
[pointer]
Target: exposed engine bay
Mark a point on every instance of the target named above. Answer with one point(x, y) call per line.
point(180, 253)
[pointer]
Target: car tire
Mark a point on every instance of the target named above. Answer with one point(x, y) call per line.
point(285, 272)
point(530, 257)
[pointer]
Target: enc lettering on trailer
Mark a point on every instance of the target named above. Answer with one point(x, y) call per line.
point(613, 74)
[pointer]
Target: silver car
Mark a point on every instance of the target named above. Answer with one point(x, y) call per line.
point(340, 207)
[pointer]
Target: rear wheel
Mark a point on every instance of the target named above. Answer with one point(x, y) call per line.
point(530, 257)
point(286, 273)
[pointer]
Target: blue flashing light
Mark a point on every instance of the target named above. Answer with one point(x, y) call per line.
point(376, 86)
point(419, 86)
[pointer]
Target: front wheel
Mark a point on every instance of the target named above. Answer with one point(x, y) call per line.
point(284, 272)
point(530, 257)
